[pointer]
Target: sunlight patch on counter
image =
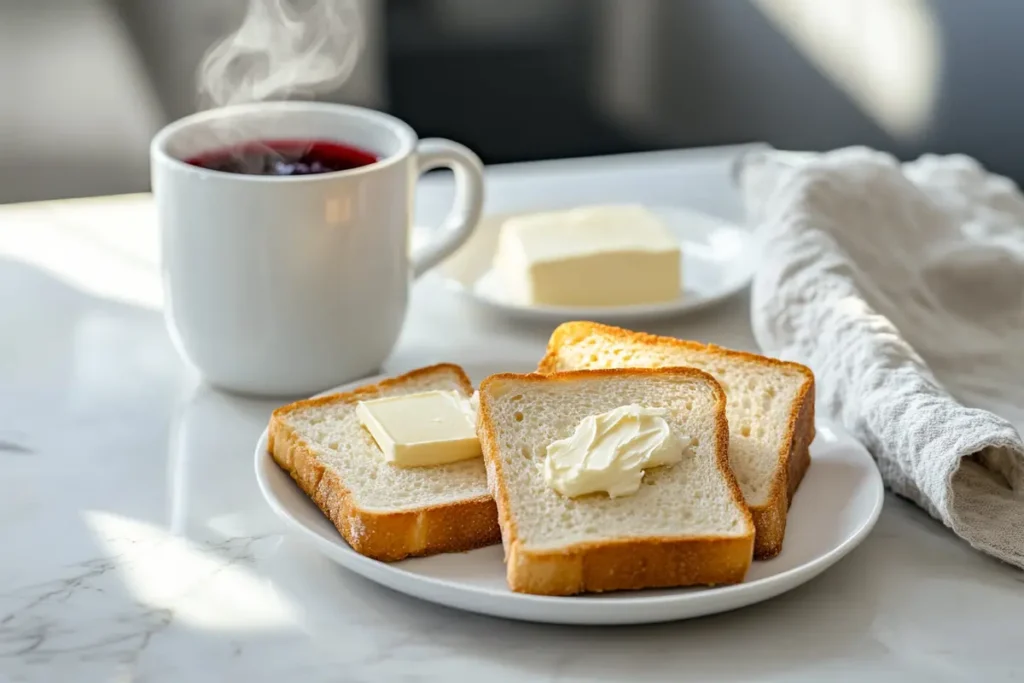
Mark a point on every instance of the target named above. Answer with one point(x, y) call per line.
point(206, 585)
point(108, 248)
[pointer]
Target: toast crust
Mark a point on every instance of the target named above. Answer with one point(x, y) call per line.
point(623, 564)
point(794, 453)
point(387, 536)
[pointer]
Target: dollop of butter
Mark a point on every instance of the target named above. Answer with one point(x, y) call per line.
point(610, 451)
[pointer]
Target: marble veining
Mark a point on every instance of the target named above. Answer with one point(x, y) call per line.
point(41, 625)
point(12, 443)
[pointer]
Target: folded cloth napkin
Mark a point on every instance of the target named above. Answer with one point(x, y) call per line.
point(902, 287)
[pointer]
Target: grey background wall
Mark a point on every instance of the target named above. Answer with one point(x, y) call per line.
point(87, 82)
point(749, 82)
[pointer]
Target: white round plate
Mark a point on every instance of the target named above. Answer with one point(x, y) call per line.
point(717, 263)
point(834, 509)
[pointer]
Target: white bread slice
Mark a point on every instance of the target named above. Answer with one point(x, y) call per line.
point(686, 525)
point(383, 511)
point(770, 409)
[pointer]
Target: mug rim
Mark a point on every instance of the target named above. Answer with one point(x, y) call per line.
point(403, 131)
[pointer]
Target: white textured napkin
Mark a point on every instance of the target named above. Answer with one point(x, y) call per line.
point(902, 287)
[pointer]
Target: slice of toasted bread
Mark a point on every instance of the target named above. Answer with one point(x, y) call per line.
point(770, 408)
point(686, 525)
point(383, 511)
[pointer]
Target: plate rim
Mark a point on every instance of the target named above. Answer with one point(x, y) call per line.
point(633, 311)
point(577, 609)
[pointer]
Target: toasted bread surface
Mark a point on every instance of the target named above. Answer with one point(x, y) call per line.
point(460, 519)
point(580, 552)
point(768, 475)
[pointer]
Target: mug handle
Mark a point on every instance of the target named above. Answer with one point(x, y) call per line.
point(464, 216)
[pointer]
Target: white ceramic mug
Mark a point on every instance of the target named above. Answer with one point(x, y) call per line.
point(289, 285)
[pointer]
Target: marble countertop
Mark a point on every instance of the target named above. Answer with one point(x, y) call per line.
point(134, 545)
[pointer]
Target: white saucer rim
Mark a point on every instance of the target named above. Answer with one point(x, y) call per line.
point(757, 590)
point(805, 571)
point(681, 305)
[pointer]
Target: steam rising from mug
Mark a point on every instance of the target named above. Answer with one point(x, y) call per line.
point(282, 49)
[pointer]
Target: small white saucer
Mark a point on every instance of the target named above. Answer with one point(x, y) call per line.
point(834, 509)
point(717, 263)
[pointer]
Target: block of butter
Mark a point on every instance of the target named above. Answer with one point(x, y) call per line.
point(418, 430)
point(605, 255)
